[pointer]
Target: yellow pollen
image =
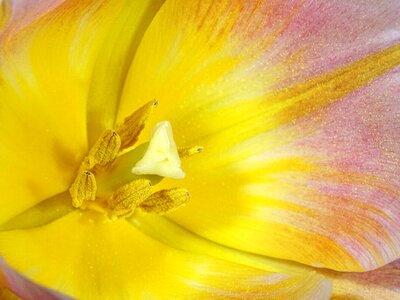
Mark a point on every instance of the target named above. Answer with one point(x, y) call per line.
point(104, 151)
point(189, 151)
point(165, 201)
point(133, 125)
point(83, 189)
point(128, 197)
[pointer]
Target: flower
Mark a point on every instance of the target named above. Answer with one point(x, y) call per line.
point(295, 103)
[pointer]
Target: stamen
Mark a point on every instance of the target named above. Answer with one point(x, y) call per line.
point(83, 189)
point(189, 151)
point(165, 201)
point(133, 125)
point(128, 197)
point(104, 151)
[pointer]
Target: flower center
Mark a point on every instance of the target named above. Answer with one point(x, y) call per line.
point(116, 177)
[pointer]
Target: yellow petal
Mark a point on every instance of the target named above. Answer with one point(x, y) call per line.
point(111, 67)
point(50, 67)
point(89, 257)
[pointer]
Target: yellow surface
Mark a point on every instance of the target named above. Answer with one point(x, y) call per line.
point(90, 257)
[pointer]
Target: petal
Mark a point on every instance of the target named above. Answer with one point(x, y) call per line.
point(6, 294)
point(20, 13)
point(54, 57)
point(24, 288)
point(42, 139)
point(326, 186)
point(110, 69)
point(382, 283)
point(5, 14)
point(267, 182)
point(88, 256)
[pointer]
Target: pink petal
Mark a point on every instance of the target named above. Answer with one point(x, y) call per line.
point(25, 288)
point(322, 36)
point(382, 284)
point(26, 11)
point(355, 144)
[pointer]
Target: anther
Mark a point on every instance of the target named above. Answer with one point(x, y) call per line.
point(165, 201)
point(189, 151)
point(130, 129)
point(104, 151)
point(83, 189)
point(128, 197)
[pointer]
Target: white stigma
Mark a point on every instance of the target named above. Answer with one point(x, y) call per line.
point(161, 157)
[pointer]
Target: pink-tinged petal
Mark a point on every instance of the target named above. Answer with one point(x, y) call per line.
point(25, 288)
point(256, 46)
point(382, 284)
point(259, 84)
point(327, 35)
point(326, 185)
point(355, 146)
point(23, 12)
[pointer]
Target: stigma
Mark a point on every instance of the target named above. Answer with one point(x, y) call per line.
point(159, 158)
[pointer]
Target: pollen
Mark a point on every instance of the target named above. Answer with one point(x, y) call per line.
point(165, 201)
point(130, 129)
point(189, 151)
point(104, 151)
point(83, 189)
point(128, 197)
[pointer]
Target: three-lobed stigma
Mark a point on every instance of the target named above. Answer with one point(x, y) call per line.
point(160, 158)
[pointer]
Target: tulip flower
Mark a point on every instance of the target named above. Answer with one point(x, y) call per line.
point(200, 149)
